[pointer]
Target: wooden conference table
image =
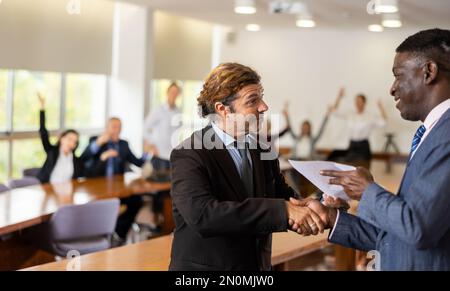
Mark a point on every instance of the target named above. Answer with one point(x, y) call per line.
point(154, 255)
point(148, 255)
point(29, 206)
point(24, 207)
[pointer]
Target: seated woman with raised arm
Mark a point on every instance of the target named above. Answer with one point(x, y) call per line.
point(61, 164)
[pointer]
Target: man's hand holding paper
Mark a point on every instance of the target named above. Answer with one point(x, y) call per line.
point(312, 171)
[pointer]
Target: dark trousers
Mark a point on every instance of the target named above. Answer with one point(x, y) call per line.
point(358, 150)
point(160, 164)
point(126, 219)
point(158, 201)
point(357, 154)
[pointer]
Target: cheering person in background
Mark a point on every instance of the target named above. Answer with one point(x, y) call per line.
point(360, 125)
point(304, 146)
point(61, 164)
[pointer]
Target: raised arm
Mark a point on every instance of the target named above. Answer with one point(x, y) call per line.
point(287, 119)
point(338, 100)
point(322, 127)
point(43, 132)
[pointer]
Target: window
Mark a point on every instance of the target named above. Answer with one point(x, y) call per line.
point(26, 104)
point(3, 161)
point(27, 153)
point(85, 101)
point(84, 97)
point(3, 103)
point(191, 91)
point(82, 144)
point(159, 92)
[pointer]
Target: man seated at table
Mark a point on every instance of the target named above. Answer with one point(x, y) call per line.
point(108, 155)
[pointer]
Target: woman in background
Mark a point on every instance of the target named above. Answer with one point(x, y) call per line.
point(304, 147)
point(61, 164)
point(360, 124)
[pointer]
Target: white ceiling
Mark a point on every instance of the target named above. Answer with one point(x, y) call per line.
point(328, 13)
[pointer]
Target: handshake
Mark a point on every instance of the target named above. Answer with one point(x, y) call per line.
point(310, 217)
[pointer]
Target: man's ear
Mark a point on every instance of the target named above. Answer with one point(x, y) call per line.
point(430, 71)
point(220, 109)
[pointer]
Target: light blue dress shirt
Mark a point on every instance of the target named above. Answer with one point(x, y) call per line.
point(229, 141)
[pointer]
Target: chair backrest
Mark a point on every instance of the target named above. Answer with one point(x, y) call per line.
point(23, 182)
point(93, 219)
point(31, 172)
point(3, 188)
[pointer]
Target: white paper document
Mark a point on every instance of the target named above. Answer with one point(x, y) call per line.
point(311, 171)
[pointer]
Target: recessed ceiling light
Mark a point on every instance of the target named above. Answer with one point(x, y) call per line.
point(391, 20)
point(375, 28)
point(244, 7)
point(305, 20)
point(305, 23)
point(253, 27)
point(386, 6)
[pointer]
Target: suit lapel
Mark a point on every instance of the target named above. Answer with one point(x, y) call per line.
point(226, 164)
point(424, 147)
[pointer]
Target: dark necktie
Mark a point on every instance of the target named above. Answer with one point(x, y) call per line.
point(247, 172)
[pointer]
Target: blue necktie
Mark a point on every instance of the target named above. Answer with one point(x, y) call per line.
point(417, 138)
point(111, 164)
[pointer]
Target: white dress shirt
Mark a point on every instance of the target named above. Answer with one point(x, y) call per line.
point(63, 170)
point(303, 148)
point(160, 125)
point(361, 125)
point(429, 123)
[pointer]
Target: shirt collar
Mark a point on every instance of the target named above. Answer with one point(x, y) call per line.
point(61, 154)
point(167, 107)
point(435, 114)
point(228, 139)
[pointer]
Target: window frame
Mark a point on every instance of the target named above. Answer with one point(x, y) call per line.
point(10, 135)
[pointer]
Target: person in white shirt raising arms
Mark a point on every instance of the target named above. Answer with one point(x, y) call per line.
point(360, 124)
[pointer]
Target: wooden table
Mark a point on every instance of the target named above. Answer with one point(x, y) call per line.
point(24, 207)
point(154, 255)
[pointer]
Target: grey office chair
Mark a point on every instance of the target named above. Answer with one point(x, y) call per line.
point(3, 188)
point(84, 228)
point(31, 172)
point(23, 182)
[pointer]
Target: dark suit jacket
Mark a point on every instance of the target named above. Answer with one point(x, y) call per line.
point(52, 152)
point(96, 167)
point(218, 227)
